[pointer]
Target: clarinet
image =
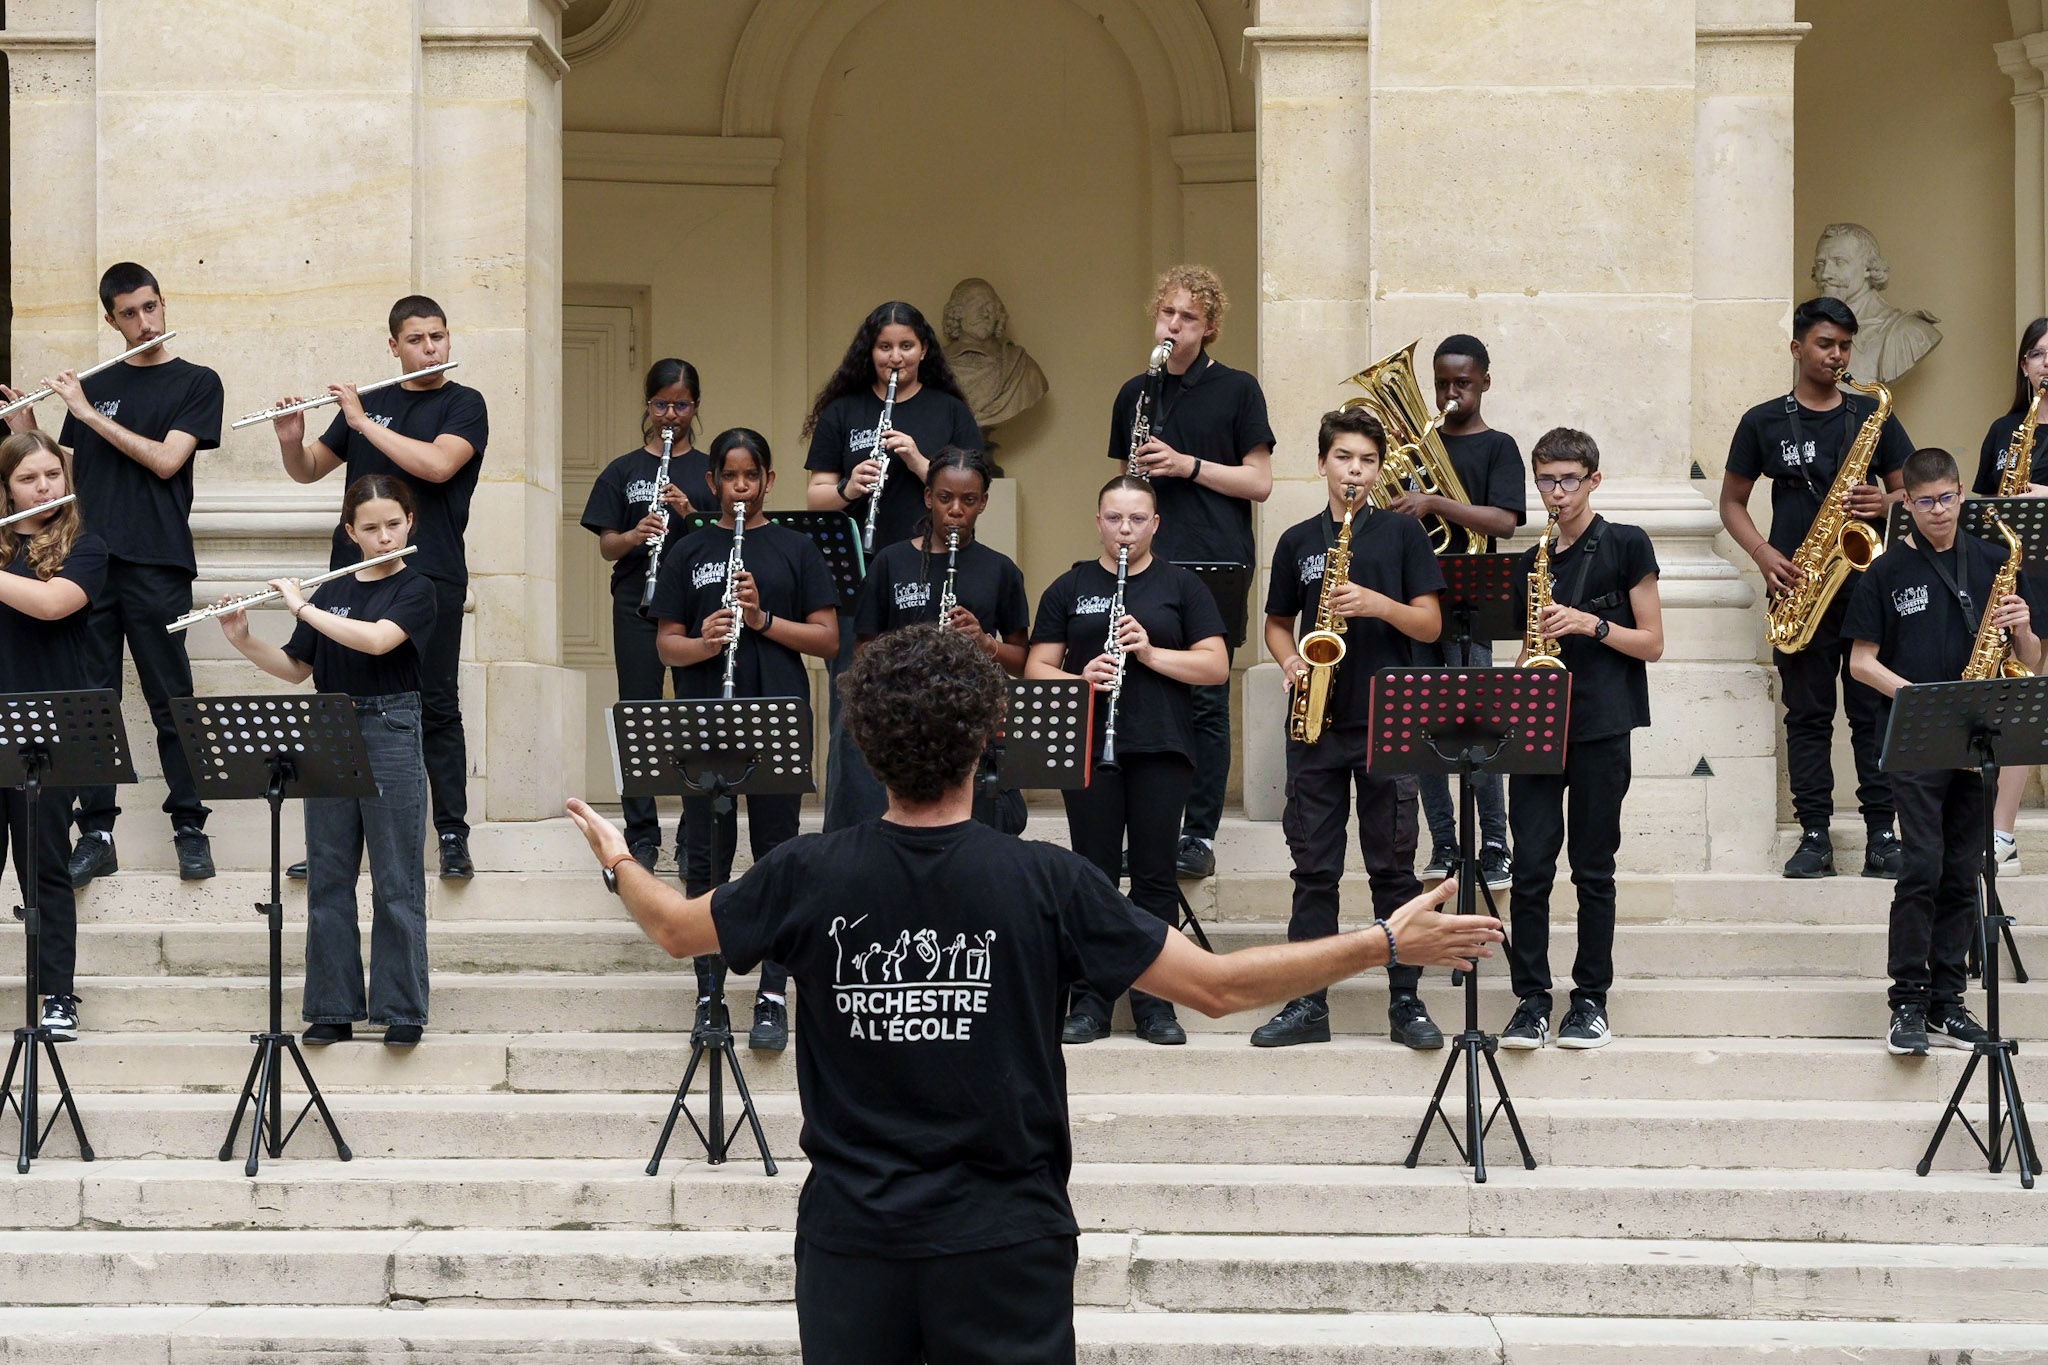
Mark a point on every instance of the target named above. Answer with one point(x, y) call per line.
point(948, 599)
point(881, 459)
point(1148, 398)
point(668, 440)
point(735, 565)
point(1115, 650)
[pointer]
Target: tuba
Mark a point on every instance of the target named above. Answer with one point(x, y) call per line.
point(1322, 649)
point(2019, 453)
point(1416, 461)
point(1991, 655)
point(1541, 651)
point(1836, 542)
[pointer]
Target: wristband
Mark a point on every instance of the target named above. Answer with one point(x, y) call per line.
point(842, 489)
point(767, 620)
point(301, 607)
point(1393, 956)
point(1196, 472)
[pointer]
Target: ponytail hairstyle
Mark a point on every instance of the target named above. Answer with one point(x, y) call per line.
point(744, 439)
point(664, 374)
point(49, 547)
point(2022, 391)
point(369, 488)
point(856, 372)
point(974, 462)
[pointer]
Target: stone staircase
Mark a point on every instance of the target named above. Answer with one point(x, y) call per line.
point(1730, 1179)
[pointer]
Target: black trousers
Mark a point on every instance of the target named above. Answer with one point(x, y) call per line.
point(1212, 761)
point(1320, 781)
point(771, 820)
point(1010, 1306)
point(1142, 800)
point(1934, 905)
point(641, 678)
point(441, 736)
point(1578, 811)
point(135, 605)
point(57, 948)
point(1807, 682)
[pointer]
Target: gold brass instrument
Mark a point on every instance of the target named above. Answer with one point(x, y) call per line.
point(257, 599)
point(1539, 650)
point(1416, 461)
point(1991, 655)
point(1836, 543)
point(1148, 398)
point(2019, 453)
point(307, 405)
point(31, 399)
point(1322, 649)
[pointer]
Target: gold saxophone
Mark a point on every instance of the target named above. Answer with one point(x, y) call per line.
point(1416, 460)
point(1991, 656)
point(1836, 542)
point(2019, 453)
point(1541, 651)
point(1323, 648)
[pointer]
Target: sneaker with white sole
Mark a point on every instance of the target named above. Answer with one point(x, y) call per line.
point(1529, 1029)
point(2008, 850)
point(1584, 1028)
point(1442, 859)
point(1952, 1026)
point(1907, 1036)
point(60, 1017)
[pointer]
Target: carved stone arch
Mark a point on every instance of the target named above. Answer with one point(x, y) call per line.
point(603, 33)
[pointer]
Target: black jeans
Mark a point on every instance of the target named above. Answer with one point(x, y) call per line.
point(771, 820)
point(1578, 811)
point(641, 678)
point(138, 601)
point(57, 908)
point(1144, 798)
point(1934, 905)
point(1012, 1305)
point(1320, 780)
point(441, 712)
point(1212, 761)
point(1807, 681)
point(852, 793)
point(1439, 792)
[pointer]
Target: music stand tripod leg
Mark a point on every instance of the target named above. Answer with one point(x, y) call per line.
point(32, 1034)
point(676, 1110)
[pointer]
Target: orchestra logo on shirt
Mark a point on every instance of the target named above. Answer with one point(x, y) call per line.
point(1910, 601)
point(641, 490)
point(1312, 567)
point(342, 612)
point(381, 419)
point(1794, 458)
point(911, 988)
point(109, 408)
point(909, 595)
point(861, 440)
point(1097, 605)
point(709, 572)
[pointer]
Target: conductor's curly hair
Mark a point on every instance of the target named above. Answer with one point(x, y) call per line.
point(921, 703)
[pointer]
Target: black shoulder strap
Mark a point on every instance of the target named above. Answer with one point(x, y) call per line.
point(1962, 593)
point(1589, 549)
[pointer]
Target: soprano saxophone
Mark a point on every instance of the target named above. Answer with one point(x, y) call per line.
point(1114, 648)
point(1322, 649)
point(2018, 470)
point(1836, 543)
point(735, 565)
point(1991, 655)
point(1539, 650)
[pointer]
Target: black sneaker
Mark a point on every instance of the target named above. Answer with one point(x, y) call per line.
point(60, 1017)
point(1082, 1027)
point(702, 1023)
point(1884, 855)
point(92, 856)
point(320, 1035)
point(403, 1035)
point(1584, 1028)
point(455, 863)
point(1494, 866)
point(1442, 859)
point(770, 1032)
point(195, 854)
point(1158, 1025)
point(297, 872)
point(1908, 1034)
point(1815, 856)
point(1951, 1026)
point(647, 854)
point(1305, 1020)
point(1410, 1024)
point(1196, 858)
point(1529, 1029)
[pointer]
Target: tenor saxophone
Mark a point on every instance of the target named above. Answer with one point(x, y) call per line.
point(1836, 543)
point(1322, 649)
point(2019, 452)
point(1991, 655)
point(1539, 650)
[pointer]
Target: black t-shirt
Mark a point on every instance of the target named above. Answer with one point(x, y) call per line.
point(1610, 690)
point(624, 493)
point(50, 656)
point(903, 587)
point(1218, 415)
point(845, 436)
point(143, 519)
point(1177, 610)
point(1489, 464)
point(440, 510)
point(405, 598)
point(1991, 457)
point(931, 968)
point(793, 582)
point(1764, 448)
point(1390, 554)
point(1905, 609)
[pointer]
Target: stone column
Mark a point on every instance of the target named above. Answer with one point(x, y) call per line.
point(2025, 60)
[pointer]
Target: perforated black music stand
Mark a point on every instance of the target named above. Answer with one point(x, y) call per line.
point(1507, 720)
point(63, 740)
point(836, 536)
point(1231, 585)
point(1978, 726)
point(720, 748)
point(1483, 600)
point(268, 748)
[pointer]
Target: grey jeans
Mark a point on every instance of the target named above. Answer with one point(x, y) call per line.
point(392, 827)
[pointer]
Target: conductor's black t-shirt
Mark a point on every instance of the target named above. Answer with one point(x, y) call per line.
point(793, 582)
point(143, 519)
point(1801, 471)
point(1390, 554)
point(845, 436)
point(440, 510)
point(1903, 607)
point(1156, 713)
point(624, 493)
point(51, 656)
point(904, 585)
point(1489, 464)
point(1610, 689)
point(932, 966)
point(1218, 415)
point(405, 598)
point(1991, 457)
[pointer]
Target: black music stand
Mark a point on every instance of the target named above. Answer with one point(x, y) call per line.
point(271, 747)
point(1483, 600)
point(720, 748)
point(1508, 720)
point(1230, 585)
point(1978, 726)
point(837, 538)
point(63, 740)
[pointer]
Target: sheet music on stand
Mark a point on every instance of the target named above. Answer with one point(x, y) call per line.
point(2028, 518)
point(836, 536)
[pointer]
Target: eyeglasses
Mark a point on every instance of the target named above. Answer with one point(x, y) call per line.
point(1116, 521)
point(1568, 482)
point(2035, 356)
point(1945, 501)
point(677, 409)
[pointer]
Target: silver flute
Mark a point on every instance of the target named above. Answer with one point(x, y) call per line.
point(49, 506)
point(1114, 648)
point(668, 441)
point(948, 599)
point(257, 599)
point(881, 459)
point(1148, 398)
point(40, 394)
point(308, 404)
point(735, 565)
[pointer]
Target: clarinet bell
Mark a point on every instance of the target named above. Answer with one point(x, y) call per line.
point(647, 599)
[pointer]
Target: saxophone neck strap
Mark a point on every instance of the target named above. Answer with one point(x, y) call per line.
point(1949, 580)
point(1849, 422)
point(1588, 546)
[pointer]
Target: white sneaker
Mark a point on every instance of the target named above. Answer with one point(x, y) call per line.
point(2007, 849)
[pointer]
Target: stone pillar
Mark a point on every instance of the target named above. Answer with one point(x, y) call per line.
point(2025, 60)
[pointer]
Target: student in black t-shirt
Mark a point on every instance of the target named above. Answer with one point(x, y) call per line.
point(933, 954)
point(622, 514)
point(2030, 373)
point(360, 635)
point(1914, 619)
point(787, 609)
point(1172, 638)
point(930, 414)
point(907, 581)
point(1609, 625)
point(51, 568)
point(1210, 458)
point(133, 430)
point(431, 433)
point(1797, 442)
point(1389, 603)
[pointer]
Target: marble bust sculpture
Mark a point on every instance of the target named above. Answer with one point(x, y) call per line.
point(998, 377)
point(1889, 340)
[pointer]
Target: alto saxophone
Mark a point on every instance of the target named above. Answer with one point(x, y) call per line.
point(1541, 651)
point(2019, 453)
point(1836, 543)
point(1322, 649)
point(1991, 656)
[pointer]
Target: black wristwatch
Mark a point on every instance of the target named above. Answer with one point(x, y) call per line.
point(1600, 631)
point(842, 489)
point(611, 875)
